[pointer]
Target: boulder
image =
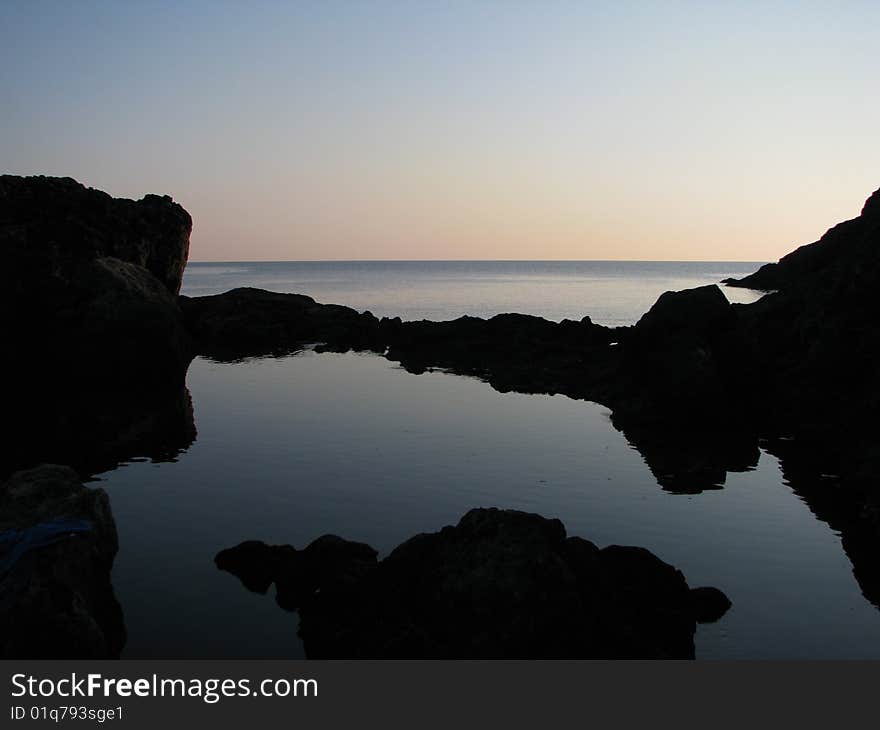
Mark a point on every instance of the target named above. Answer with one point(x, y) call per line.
point(696, 312)
point(297, 574)
point(57, 545)
point(499, 584)
point(88, 287)
point(709, 603)
point(48, 224)
point(253, 562)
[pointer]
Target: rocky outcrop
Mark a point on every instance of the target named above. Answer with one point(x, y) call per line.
point(57, 545)
point(499, 584)
point(703, 311)
point(49, 224)
point(844, 248)
point(245, 322)
point(88, 286)
point(812, 346)
point(511, 351)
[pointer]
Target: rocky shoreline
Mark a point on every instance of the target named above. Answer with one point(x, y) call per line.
point(499, 584)
point(58, 542)
point(102, 341)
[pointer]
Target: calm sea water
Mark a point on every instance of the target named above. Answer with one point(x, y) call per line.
point(292, 448)
point(611, 292)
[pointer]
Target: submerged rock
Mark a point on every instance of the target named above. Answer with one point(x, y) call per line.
point(709, 604)
point(297, 574)
point(253, 562)
point(57, 545)
point(499, 584)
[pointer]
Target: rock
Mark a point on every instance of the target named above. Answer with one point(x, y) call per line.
point(703, 311)
point(48, 224)
point(500, 584)
point(709, 603)
point(125, 326)
point(844, 246)
point(510, 351)
point(252, 562)
point(297, 574)
point(246, 322)
point(88, 286)
point(56, 600)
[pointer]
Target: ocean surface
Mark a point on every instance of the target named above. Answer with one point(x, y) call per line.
point(295, 447)
point(610, 292)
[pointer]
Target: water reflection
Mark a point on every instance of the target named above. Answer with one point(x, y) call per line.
point(292, 448)
point(94, 430)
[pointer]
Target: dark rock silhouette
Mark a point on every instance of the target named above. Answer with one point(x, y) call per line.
point(812, 346)
point(244, 322)
point(89, 283)
point(842, 250)
point(702, 311)
point(511, 351)
point(297, 574)
point(88, 306)
point(56, 600)
point(499, 584)
point(54, 222)
point(101, 343)
point(709, 604)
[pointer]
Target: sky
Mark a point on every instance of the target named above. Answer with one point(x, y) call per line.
point(456, 130)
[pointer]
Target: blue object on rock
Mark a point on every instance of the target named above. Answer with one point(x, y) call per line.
point(15, 544)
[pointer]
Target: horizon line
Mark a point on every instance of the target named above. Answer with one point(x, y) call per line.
point(468, 261)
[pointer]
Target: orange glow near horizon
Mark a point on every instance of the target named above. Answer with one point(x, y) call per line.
point(492, 131)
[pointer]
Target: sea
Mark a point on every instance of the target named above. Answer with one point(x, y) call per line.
point(291, 448)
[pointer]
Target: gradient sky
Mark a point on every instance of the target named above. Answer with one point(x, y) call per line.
point(456, 130)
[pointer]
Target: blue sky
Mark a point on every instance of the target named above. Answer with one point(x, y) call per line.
point(500, 130)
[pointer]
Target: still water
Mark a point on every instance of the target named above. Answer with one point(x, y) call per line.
point(292, 448)
point(612, 292)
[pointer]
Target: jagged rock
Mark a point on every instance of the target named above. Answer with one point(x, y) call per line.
point(88, 285)
point(48, 224)
point(56, 600)
point(499, 584)
point(848, 246)
point(813, 345)
point(511, 351)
